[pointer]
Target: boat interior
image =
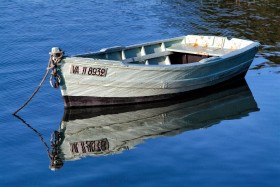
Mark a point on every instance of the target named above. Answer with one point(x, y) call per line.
point(181, 50)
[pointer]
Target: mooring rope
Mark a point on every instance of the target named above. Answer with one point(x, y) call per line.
point(37, 89)
point(54, 60)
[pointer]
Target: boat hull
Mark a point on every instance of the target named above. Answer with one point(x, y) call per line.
point(87, 81)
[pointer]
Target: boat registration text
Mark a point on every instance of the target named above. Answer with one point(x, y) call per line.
point(94, 71)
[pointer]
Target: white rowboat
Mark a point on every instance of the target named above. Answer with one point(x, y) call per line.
point(153, 71)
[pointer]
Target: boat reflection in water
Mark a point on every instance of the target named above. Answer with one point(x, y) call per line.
point(110, 130)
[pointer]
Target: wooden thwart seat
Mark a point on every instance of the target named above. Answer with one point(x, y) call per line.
point(147, 57)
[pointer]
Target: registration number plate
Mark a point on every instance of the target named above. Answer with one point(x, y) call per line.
point(93, 71)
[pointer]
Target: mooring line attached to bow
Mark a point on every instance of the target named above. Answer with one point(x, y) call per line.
point(56, 56)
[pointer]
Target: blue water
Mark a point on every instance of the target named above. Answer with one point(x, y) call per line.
point(243, 150)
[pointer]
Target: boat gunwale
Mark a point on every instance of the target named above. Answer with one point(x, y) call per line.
point(175, 67)
point(120, 48)
point(111, 49)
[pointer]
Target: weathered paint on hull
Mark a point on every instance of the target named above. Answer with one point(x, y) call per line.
point(86, 101)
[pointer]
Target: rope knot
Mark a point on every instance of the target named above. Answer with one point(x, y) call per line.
point(56, 56)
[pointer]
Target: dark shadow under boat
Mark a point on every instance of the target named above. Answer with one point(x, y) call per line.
point(109, 130)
